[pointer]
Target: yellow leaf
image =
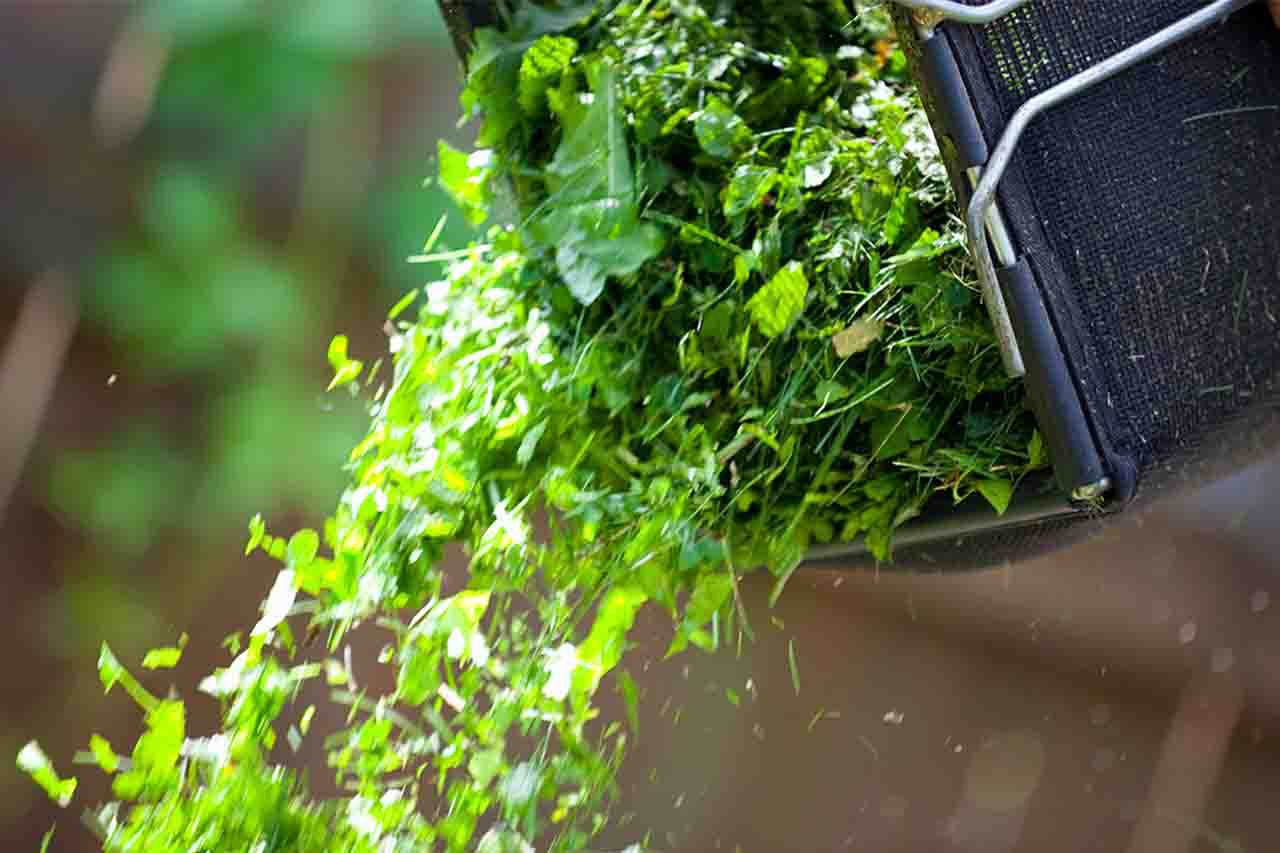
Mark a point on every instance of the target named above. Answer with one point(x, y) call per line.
point(857, 337)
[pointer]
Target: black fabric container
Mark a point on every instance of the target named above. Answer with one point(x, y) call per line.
point(1148, 209)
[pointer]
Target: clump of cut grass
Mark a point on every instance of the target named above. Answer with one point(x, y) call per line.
point(741, 207)
point(733, 318)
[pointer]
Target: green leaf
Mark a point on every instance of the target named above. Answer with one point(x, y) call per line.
point(592, 163)
point(493, 69)
point(408, 298)
point(891, 434)
point(604, 646)
point(592, 217)
point(543, 64)
point(748, 188)
point(157, 752)
point(798, 85)
point(529, 444)
point(1037, 455)
point(303, 547)
point(493, 82)
point(485, 765)
point(111, 673)
point(344, 369)
point(103, 754)
point(720, 131)
point(257, 530)
point(777, 305)
point(465, 179)
point(997, 492)
point(818, 170)
point(33, 762)
point(880, 542)
point(166, 657)
point(710, 594)
point(532, 20)
point(900, 222)
point(461, 612)
point(930, 244)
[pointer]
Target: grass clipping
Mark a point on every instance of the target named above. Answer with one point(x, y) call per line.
point(737, 230)
point(733, 319)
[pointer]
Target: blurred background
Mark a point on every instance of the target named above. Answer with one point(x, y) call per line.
point(196, 195)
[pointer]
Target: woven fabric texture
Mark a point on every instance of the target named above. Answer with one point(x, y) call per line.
point(1150, 208)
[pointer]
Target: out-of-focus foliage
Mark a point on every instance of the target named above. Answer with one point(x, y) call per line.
point(217, 293)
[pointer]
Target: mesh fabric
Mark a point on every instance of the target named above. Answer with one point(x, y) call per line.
point(1150, 209)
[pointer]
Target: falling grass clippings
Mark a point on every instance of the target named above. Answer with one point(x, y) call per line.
point(726, 315)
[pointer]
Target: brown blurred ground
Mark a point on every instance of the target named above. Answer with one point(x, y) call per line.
point(1123, 696)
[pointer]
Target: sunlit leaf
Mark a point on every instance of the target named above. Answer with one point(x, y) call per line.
point(103, 754)
point(997, 492)
point(777, 305)
point(33, 762)
point(464, 177)
point(345, 369)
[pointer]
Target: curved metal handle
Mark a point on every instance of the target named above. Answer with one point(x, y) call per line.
point(951, 10)
point(983, 200)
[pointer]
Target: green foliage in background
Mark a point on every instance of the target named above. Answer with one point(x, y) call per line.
point(733, 320)
point(215, 296)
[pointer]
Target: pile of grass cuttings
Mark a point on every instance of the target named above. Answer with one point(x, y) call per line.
point(734, 222)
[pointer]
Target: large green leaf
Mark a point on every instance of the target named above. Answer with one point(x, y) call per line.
point(603, 648)
point(719, 130)
point(592, 217)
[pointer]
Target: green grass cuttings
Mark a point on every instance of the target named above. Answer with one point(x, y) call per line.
point(734, 222)
point(733, 318)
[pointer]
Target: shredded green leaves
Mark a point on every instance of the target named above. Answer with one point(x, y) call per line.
point(732, 319)
point(33, 762)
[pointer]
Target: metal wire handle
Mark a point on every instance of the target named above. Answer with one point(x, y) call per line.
point(951, 10)
point(983, 199)
point(983, 217)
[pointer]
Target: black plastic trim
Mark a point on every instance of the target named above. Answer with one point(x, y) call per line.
point(1050, 389)
point(463, 17)
point(958, 121)
point(942, 523)
point(1017, 202)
